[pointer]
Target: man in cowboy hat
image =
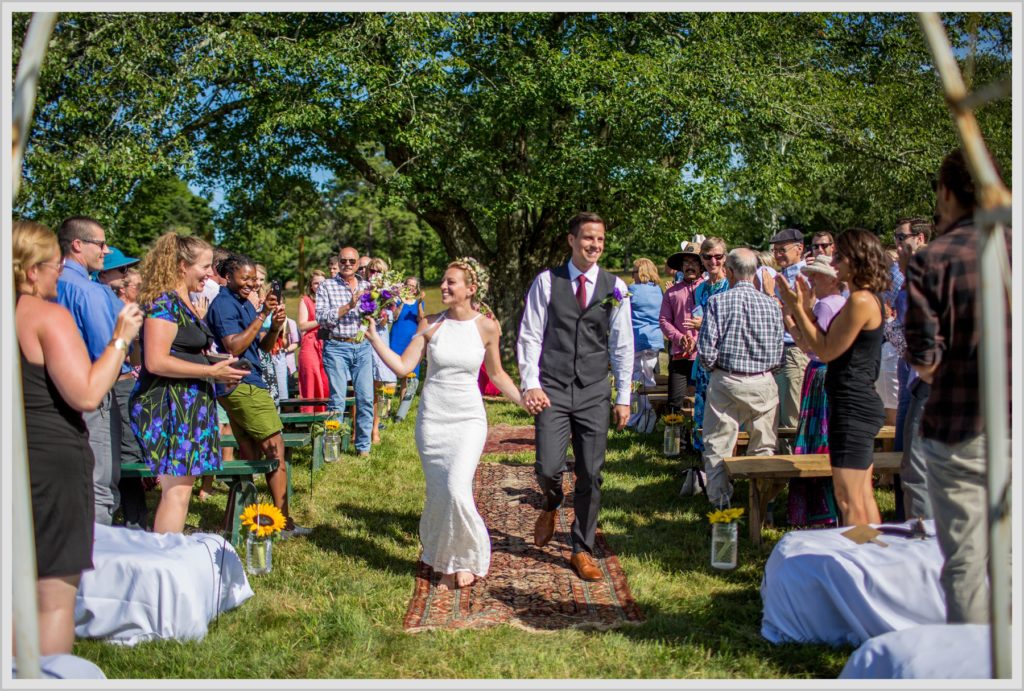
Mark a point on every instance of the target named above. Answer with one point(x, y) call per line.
point(676, 310)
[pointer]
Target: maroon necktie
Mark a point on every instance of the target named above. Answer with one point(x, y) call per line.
point(581, 292)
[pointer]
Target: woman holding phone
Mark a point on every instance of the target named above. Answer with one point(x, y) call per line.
point(172, 406)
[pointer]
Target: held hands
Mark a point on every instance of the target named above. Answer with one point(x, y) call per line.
point(621, 417)
point(687, 343)
point(129, 321)
point(535, 401)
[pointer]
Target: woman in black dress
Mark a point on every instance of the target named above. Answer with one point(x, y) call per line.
point(59, 382)
point(852, 347)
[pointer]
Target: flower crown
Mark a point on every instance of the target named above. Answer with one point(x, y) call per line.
point(480, 277)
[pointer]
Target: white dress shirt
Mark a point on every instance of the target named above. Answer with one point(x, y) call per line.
point(535, 319)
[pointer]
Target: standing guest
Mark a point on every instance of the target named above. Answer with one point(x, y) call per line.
point(254, 418)
point(645, 298)
point(60, 380)
point(282, 357)
point(712, 254)
point(129, 289)
point(676, 310)
point(312, 377)
point(382, 374)
point(172, 403)
point(332, 265)
point(822, 242)
point(364, 263)
point(788, 249)
point(573, 330)
point(133, 496)
point(811, 500)
point(943, 347)
point(740, 343)
point(767, 269)
point(346, 357)
point(852, 347)
point(412, 313)
point(911, 235)
point(83, 244)
point(202, 300)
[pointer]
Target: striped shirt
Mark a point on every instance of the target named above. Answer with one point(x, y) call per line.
point(330, 296)
point(741, 332)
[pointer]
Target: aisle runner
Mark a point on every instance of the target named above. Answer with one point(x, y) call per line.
point(528, 587)
point(510, 439)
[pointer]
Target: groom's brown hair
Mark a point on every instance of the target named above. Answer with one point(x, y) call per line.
point(582, 217)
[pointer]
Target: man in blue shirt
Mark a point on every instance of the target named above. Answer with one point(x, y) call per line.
point(235, 324)
point(83, 244)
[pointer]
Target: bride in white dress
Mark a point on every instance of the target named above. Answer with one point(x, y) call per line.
point(451, 425)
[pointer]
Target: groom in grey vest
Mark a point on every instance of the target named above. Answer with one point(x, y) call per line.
point(577, 321)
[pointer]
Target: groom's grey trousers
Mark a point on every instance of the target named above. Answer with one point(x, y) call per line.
point(581, 413)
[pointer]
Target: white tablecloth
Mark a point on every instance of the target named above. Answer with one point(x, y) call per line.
point(64, 667)
point(936, 651)
point(820, 587)
point(149, 586)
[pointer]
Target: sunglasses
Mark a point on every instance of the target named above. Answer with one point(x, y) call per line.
point(900, 237)
point(821, 245)
point(712, 257)
point(102, 244)
point(347, 261)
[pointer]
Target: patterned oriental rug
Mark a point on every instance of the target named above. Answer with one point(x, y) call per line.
point(510, 439)
point(528, 587)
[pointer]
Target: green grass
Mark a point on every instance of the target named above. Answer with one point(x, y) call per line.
point(334, 603)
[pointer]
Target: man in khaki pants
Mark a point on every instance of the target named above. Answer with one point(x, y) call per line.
point(741, 343)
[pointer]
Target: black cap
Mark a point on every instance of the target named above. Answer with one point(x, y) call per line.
point(788, 235)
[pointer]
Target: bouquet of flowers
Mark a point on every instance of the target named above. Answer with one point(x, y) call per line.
point(386, 291)
point(725, 515)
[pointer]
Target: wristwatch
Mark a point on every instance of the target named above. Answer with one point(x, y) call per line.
point(119, 343)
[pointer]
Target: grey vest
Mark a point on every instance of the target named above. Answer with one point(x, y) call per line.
point(575, 344)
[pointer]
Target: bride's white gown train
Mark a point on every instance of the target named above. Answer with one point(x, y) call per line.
point(451, 428)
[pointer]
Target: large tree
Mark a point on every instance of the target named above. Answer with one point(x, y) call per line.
point(493, 129)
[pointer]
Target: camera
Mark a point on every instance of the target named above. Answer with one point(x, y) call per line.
point(275, 288)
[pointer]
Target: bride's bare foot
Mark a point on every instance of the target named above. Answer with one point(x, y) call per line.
point(446, 583)
point(464, 579)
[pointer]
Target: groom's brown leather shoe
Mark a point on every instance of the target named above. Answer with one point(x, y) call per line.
point(544, 528)
point(586, 567)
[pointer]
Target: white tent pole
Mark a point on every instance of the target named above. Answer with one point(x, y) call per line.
point(23, 561)
point(992, 310)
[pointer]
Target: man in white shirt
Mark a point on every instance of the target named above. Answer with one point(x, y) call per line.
point(577, 320)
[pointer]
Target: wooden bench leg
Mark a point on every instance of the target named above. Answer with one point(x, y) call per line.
point(288, 474)
point(755, 512)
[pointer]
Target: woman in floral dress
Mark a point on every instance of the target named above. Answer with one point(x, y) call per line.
point(172, 406)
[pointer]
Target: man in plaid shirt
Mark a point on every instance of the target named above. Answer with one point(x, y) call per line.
point(345, 358)
point(942, 345)
point(741, 343)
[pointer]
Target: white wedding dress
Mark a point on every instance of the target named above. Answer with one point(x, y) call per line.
point(451, 428)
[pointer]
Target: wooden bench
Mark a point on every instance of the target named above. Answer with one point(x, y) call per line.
point(241, 490)
point(294, 403)
point(886, 433)
point(292, 440)
point(767, 475)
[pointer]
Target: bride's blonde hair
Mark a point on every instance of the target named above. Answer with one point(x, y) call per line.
point(476, 275)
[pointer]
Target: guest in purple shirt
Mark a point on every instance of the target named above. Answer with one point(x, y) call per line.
point(676, 312)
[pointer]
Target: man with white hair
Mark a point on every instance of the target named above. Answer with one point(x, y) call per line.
point(740, 342)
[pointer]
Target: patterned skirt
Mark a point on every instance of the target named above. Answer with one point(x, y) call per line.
point(812, 500)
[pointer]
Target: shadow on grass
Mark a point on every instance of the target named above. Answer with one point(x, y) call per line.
point(381, 526)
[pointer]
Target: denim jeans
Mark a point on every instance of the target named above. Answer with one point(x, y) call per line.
point(353, 362)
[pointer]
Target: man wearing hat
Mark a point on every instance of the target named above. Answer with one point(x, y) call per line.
point(788, 250)
point(133, 496)
point(677, 310)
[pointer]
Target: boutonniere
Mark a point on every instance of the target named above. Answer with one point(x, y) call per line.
point(615, 298)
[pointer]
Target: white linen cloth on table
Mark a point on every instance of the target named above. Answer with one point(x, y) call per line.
point(147, 586)
point(820, 587)
point(935, 651)
point(64, 667)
